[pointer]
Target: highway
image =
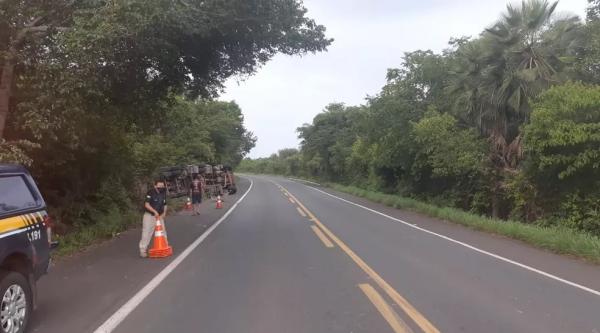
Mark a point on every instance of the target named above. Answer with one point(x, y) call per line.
point(288, 257)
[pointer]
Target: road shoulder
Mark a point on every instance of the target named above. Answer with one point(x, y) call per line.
point(80, 292)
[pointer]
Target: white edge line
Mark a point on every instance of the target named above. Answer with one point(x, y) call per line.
point(304, 181)
point(529, 268)
point(111, 323)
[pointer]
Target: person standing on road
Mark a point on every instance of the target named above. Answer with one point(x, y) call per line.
point(155, 206)
point(196, 193)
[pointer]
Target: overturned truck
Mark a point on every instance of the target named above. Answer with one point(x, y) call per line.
point(217, 179)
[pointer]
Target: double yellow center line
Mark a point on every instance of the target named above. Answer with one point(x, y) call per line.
point(410, 310)
point(301, 212)
point(322, 236)
point(397, 324)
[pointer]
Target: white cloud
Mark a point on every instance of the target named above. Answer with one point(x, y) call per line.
point(371, 36)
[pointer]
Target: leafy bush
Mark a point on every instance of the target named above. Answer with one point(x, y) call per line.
point(444, 148)
point(581, 212)
point(562, 142)
point(563, 137)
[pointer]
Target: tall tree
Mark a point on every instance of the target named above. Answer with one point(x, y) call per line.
point(496, 77)
point(328, 140)
point(590, 62)
point(144, 49)
point(26, 27)
point(593, 11)
point(528, 52)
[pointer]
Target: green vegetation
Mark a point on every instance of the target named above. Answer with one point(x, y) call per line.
point(107, 225)
point(95, 95)
point(504, 125)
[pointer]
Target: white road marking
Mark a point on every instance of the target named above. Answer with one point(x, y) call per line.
point(304, 181)
point(529, 268)
point(111, 323)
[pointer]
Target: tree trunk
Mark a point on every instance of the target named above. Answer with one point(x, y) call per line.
point(6, 83)
point(8, 69)
point(496, 205)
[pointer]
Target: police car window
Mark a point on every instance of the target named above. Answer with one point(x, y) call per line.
point(14, 194)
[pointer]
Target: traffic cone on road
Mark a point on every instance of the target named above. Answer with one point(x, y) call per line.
point(219, 202)
point(188, 204)
point(160, 248)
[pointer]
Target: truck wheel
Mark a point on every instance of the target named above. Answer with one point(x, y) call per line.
point(16, 302)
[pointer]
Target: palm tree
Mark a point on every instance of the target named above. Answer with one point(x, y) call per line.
point(521, 55)
point(529, 50)
point(497, 75)
point(465, 86)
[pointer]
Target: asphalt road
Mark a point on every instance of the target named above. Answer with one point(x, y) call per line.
point(291, 258)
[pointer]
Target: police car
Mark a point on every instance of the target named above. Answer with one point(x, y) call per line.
point(25, 245)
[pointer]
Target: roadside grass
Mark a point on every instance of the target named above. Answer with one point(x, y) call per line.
point(559, 240)
point(107, 225)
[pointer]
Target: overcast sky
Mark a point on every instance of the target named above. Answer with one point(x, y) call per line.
point(370, 37)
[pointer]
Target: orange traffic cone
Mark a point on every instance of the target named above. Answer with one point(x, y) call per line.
point(219, 202)
point(188, 204)
point(160, 248)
